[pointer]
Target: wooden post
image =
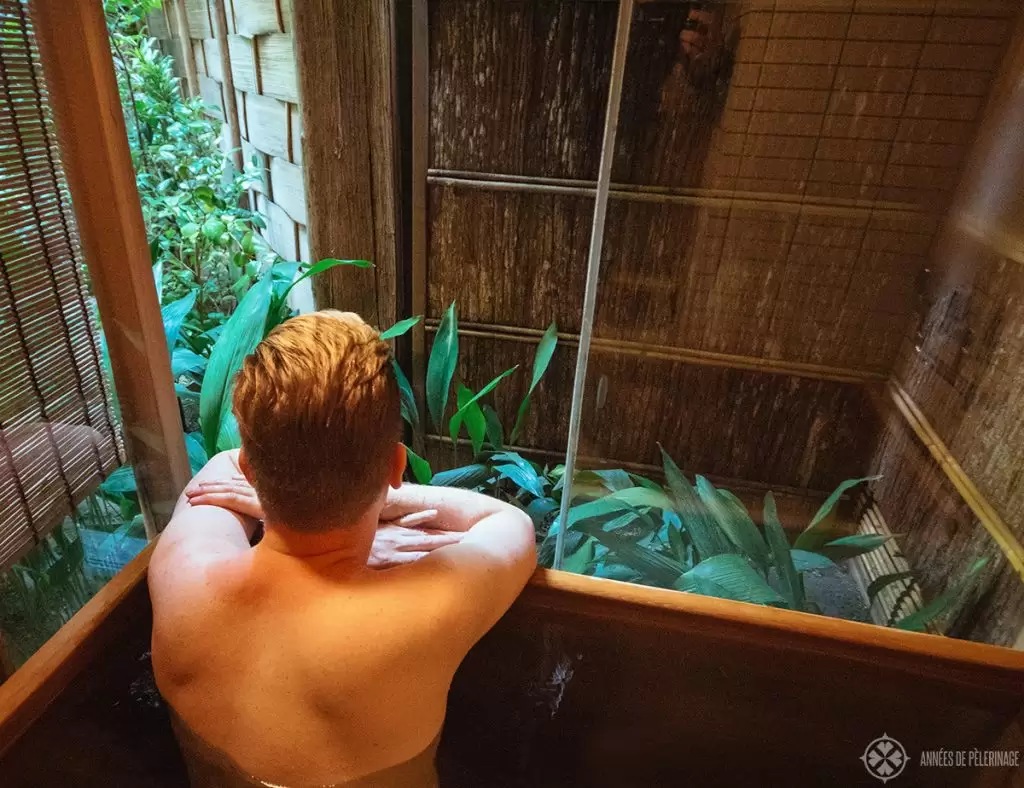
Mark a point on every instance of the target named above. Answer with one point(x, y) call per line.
point(185, 44)
point(97, 162)
point(345, 52)
point(220, 24)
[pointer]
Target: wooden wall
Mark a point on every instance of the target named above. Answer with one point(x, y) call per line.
point(773, 213)
point(961, 366)
point(264, 74)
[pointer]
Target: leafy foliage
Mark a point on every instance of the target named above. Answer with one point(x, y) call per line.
point(690, 537)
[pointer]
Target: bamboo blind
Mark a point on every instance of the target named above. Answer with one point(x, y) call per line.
point(58, 439)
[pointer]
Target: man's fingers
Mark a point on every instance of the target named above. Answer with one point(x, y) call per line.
point(415, 518)
point(425, 541)
point(244, 504)
point(220, 487)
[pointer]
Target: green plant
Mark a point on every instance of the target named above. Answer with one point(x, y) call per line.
point(623, 526)
point(204, 241)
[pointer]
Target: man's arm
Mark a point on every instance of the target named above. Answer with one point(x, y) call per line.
point(470, 584)
point(200, 535)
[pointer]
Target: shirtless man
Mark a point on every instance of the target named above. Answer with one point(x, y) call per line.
point(294, 662)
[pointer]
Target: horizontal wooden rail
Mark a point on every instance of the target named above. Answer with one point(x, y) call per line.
point(34, 686)
point(986, 513)
point(687, 355)
point(977, 665)
point(708, 198)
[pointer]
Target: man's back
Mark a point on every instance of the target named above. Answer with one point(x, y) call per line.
point(272, 653)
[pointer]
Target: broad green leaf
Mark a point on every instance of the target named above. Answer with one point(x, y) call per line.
point(495, 432)
point(805, 560)
point(615, 479)
point(884, 581)
point(525, 479)
point(540, 509)
point(213, 229)
point(467, 477)
point(784, 567)
point(185, 361)
point(229, 436)
point(541, 360)
point(704, 532)
point(821, 526)
point(444, 355)
point(322, 266)
point(675, 540)
point(736, 578)
point(470, 414)
point(120, 482)
point(406, 398)
point(942, 604)
point(617, 502)
point(197, 456)
point(455, 423)
point(401, 327)
point(653, 566)
point(242, 332)
point(581, 558)
point(852, 546)
point(733, 519)
point(613, 571)
point(421, 471)
point(174, 315)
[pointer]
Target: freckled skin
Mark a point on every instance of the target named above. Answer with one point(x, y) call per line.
point(297, 659)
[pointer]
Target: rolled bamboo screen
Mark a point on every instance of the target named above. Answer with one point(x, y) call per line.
point(58, 438)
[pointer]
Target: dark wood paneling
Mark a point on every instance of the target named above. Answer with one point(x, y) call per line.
point(965, 368)
point(593, 692)
point(763, 427)
point(758, 426)
point(942, 538)
point(768, 283)
point(512, 259)
point(519, 87)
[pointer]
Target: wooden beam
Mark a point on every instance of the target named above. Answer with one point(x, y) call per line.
point(220, 26)
point(896, 397)
point(27, 694)
point(97, 162)
point(705, 358)
point(987, 668)
point(185, 47)
point(701, 197)
point(345, 52)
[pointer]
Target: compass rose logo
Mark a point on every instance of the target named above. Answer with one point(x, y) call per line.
point(884, 758)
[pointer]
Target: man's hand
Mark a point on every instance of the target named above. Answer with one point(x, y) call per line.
point(394, 544)
point(234, 493)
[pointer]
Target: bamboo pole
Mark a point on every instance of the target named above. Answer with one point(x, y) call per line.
point(611, 122)
point(701, 197)
point(94, 148)
point(986, 513)
point(420, 123)
point(705, 358)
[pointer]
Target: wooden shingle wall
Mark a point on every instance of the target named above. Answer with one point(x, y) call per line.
point(261, 50)
point(773, 212)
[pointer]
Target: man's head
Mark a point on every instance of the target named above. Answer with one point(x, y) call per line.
point(317, 409)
